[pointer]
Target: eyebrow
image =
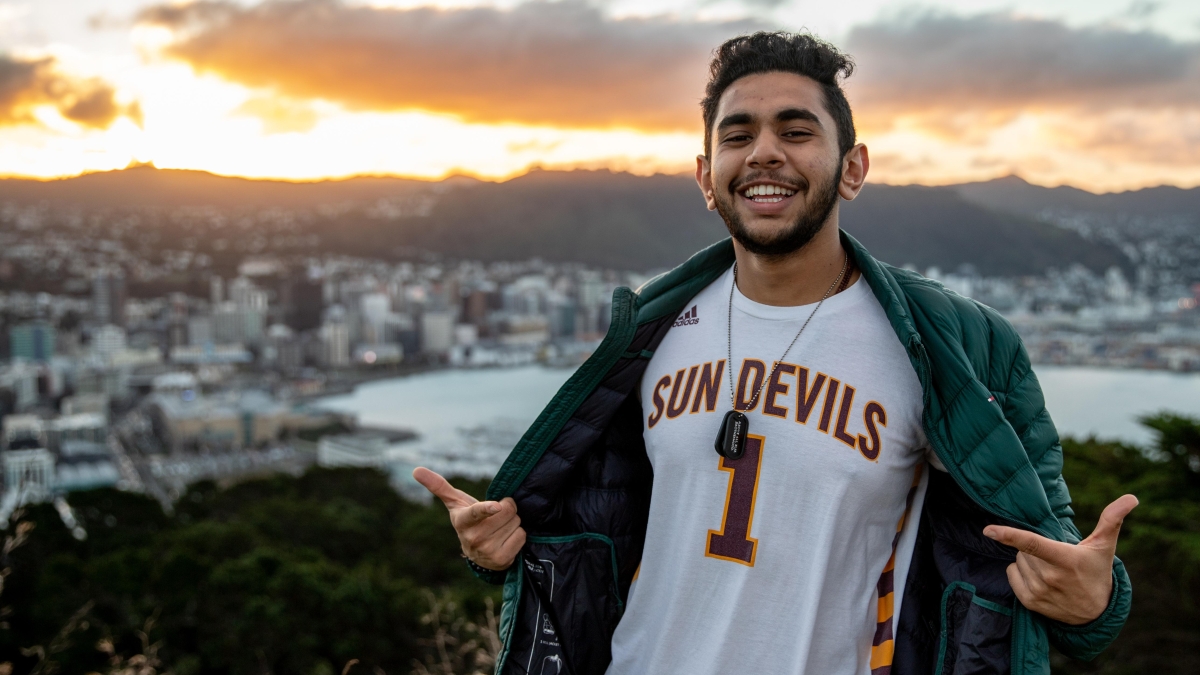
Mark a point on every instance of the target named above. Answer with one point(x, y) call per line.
point(734, 119)
point(785, 115)
point(790, 114)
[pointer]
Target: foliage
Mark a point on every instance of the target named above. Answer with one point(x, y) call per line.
point(334, 572)
point(458, 645)
point(1160, 542)
point(279, 575)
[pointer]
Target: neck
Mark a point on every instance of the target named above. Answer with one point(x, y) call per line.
point(799, 278)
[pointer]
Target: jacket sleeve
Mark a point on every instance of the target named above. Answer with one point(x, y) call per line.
point(1025, 409)
point(494, 577)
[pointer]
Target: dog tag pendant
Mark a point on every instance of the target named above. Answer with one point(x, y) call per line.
point(731, 439)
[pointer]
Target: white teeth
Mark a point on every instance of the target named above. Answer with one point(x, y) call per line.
point(768, 190)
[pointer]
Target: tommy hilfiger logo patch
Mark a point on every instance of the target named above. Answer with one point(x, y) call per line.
point(689, 318)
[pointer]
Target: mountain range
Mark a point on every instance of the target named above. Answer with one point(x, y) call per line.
point(620, 220)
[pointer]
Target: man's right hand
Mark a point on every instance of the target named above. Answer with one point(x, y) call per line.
point(490, 532)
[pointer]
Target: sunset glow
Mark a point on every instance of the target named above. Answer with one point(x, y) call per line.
point(309, 89)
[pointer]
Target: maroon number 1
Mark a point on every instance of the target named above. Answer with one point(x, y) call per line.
point(733, 542)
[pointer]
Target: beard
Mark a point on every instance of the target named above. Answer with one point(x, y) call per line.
point(807, 224)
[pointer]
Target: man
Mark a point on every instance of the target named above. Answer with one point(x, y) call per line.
point(885, 495)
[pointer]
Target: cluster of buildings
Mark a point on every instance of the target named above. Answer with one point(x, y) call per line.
point(1078, 317)
point(147, 369)
point(207, 386)
point(48, 455)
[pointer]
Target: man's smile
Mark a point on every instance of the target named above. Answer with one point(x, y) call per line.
point(766, 198)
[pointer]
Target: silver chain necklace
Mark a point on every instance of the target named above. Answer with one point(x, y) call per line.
point(731, 438)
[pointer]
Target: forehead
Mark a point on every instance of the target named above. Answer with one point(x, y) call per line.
point(766, 93)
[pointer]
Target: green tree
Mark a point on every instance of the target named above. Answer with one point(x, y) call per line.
point(281, 575)
point(1160, 542)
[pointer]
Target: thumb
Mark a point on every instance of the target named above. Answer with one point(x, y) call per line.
point(1109, 527)
point(441, 488)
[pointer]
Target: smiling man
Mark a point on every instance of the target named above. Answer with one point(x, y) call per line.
point(885, 493)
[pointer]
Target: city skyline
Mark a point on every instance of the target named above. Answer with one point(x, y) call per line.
point(1100, 95)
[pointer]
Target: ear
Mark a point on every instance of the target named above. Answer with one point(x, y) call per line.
point(854, 172)
point(704, 180)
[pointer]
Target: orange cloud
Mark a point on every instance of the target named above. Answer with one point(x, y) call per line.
point(279, 115)
point(28, 83)
point(557, 63)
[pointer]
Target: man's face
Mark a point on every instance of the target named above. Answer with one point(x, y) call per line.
point(775, 167)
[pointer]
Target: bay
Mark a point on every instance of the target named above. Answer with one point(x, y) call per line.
point(1107, 402)
point(468, 420)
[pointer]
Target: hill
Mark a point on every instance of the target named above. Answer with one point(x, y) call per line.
point(1014, 194)
point(936, 226)
point(624, 221)
point(596, 217)
point(145, 186)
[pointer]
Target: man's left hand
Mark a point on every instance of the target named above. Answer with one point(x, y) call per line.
point(1071, 583)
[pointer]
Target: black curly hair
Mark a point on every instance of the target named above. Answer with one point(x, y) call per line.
point(799, 53)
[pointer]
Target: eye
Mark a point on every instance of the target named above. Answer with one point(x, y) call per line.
point(797, 133)
point(738, 137)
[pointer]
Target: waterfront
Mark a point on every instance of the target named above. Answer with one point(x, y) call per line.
point(1107, 402)
point(468, 420)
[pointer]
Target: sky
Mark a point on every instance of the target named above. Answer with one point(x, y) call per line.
point(1099, 94)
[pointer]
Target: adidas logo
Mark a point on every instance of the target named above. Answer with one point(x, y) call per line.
point(689, 317)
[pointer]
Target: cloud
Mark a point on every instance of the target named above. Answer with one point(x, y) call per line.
point(1166, 138)
point(985, 69)
point(28, 83)
point(558, 63)
point(280, 115)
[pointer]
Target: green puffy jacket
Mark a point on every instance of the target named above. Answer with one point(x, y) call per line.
point(581, 480)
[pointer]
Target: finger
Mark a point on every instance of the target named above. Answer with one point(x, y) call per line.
point(511, 547)
point(470, 516)
point(441, 488)
point(499, 515)
point(1109, 527)
point(492, 545)
point(505, 554)
point(1020, 588)
point(1054, 552)
point(1030, 570)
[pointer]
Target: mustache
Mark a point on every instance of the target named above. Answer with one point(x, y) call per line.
point(791, 182)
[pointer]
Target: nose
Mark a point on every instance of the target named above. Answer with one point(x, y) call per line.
point(767, 152)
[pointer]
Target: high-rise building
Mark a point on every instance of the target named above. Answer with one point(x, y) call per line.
point(374, 309)
point(33, 341)
point(475, 308)
point(237, 325)
point(336, 337)
point(108, 296)
point(108, 341)
point(437, 332)
point(21, 379)
point(246, 296)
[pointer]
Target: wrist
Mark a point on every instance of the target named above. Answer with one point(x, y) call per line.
point(480, 569)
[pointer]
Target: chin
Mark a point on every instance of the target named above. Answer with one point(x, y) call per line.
point(767, 227)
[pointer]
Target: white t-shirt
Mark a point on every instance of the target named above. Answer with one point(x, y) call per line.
point(774, 563)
